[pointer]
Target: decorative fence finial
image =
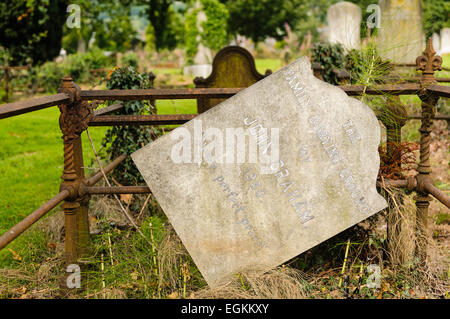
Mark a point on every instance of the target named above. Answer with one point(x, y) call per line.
point(428, 63)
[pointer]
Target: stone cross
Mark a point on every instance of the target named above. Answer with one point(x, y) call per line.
point(267, 174)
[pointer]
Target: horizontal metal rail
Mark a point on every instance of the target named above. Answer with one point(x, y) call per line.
point(25, 223)
point(92, 180)
point(393, 89)
point(159, 94)
point(440, 90)
point(118, 190)
point(109, 109)
point(162, 119)
point(438, 194)
point(17, 108)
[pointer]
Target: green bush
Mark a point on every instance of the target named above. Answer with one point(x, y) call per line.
point(330, 57)
point(49, 76)
point(128, 139)
point(130, 59)
point(75, 65)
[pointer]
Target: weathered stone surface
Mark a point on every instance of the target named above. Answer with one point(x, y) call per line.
point(400, 37)
point(344, 20)
point(445, 41)
point(233, 217)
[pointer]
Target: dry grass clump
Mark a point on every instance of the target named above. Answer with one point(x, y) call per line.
point(280, 283)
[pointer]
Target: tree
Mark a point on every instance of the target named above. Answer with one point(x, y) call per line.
point(107, 22)
point(258, 19)
point(436, 15)
point(31, 30)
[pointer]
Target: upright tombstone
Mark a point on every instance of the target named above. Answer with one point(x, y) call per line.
point(344, 21)
point(233, 67)
point(267, 174)
point(445, 41)
point(436, 43)
point(400, 37)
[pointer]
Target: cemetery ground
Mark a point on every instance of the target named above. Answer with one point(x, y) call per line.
point(124, 266)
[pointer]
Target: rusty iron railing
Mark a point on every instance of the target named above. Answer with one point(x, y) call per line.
point(77, 113)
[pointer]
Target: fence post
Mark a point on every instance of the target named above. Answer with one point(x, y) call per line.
point(73, 120)
point(427, 63)
point(6, 69)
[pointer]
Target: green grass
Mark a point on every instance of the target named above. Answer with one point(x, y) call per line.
point(31, 163)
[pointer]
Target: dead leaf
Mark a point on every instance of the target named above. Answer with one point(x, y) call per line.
point(126, 198)
point(173, 295)
point(16, 256)
point(51, 245)
point(134, 275)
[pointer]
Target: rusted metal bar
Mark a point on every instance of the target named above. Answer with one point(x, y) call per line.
point(428, 63)
point(440, 90)
point(437, 193)
point(108, 168)
point(158, 94)
point(25, 223)
point(109, 109)
point(392, 89)
point(162, 119)
point(118, 190)
point(437, 117)
point(12, 109)
point(75, 114)
point(393, 183)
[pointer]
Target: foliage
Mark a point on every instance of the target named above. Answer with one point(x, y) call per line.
point(214, 33)
point(49, 76)
point(79, 65)
point(128, 139)
point(167, 22)
point(366, 66)
point(130, 59)
point(436, 15)
point(191, 32)
point(32, 29)
point(107, 22)
point(330, 57)
point(258, 19)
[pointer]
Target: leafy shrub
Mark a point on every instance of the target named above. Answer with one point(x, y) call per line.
point(130, 59)
point(75, 65)
point(96, 59)
point(49, 76)
point(128, 139)
point(330, 57)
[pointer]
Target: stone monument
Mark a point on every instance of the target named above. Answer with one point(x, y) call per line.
point(400, 37)
point(267, 174)
point(344, 20)
point(445, 41)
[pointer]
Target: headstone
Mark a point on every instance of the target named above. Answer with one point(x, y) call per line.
point(314, 175)
point(436, 43)
point(445, 41)
point(400, 37)
point(344, 20)
point(233, 67)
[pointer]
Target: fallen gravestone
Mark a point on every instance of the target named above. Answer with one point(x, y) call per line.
point(312, 176)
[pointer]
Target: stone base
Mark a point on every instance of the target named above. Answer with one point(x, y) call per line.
point(202, 70)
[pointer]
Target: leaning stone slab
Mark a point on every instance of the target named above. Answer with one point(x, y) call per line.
point(234, 214)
